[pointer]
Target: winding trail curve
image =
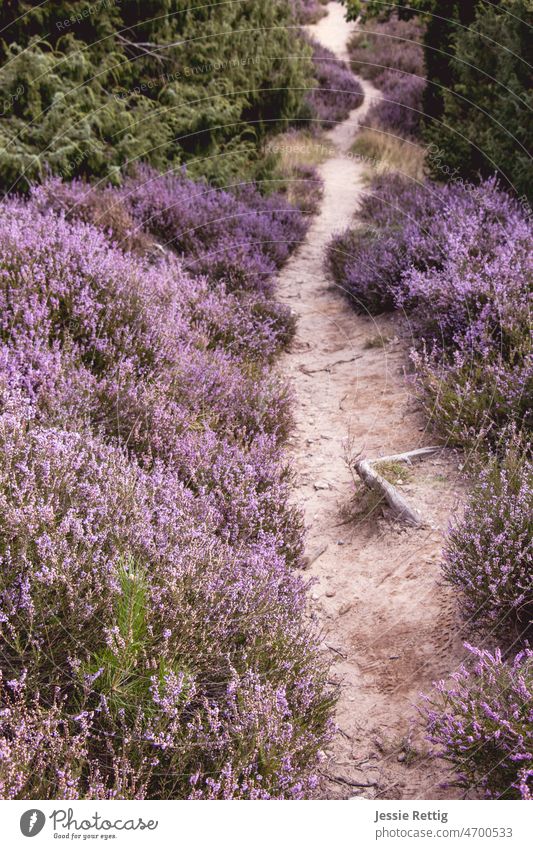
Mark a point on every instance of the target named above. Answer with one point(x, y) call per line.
point(386, 619)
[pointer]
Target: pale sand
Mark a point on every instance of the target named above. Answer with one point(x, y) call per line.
point(400, 632)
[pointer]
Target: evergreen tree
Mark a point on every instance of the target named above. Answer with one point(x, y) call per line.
point(484, 108)
point(90, 89)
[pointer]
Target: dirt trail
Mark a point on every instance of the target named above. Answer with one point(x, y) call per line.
point(387, 621)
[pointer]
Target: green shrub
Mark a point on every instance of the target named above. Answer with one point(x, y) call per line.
point(196, 85)
point(488, 105)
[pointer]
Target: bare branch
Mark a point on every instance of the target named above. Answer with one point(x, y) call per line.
point(373, 480)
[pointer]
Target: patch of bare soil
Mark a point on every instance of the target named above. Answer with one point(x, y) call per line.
point(387, 620)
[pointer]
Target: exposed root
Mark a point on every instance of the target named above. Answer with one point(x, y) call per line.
point(374, 481)
point(328, 368)
point(308, 561)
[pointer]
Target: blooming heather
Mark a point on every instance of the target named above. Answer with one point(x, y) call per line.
point(400, 109)
point(379, 47)
point(337, 92)
point(483, 724)
point(120, 602)
point(153, 634)
point(393, 231)
point(308, 11)
point(237, 235)
point(390, 53)
point(458, 259)
point(489, 550)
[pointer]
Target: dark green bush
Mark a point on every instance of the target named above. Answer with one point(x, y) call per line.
point(165, 82)
point(478, 100)
point(487, 106)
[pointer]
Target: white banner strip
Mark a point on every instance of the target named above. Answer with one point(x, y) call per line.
point(291, 825)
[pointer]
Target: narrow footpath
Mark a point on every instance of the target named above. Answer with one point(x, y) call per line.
point(387, 621)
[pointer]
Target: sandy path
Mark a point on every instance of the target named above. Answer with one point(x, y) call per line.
point(387, 621)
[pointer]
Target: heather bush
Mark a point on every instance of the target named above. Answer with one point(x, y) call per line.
point(349, 256)
point(469, 401)
point(44, 754)
point(238, 237)
point(119, 602)
point(399, 111)
point(308, 11)
point(337, 93)
point(100, 205)
point(473, 313)
point(390, 53)
point(483, 724)
point(153, 633)
point(378, 47)
point(145, 354)
point(457, 258)
point(488, 555)
point(369, 261)
point(235, 235)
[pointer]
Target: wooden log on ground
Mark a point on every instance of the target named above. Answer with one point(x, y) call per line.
point(376, 482)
